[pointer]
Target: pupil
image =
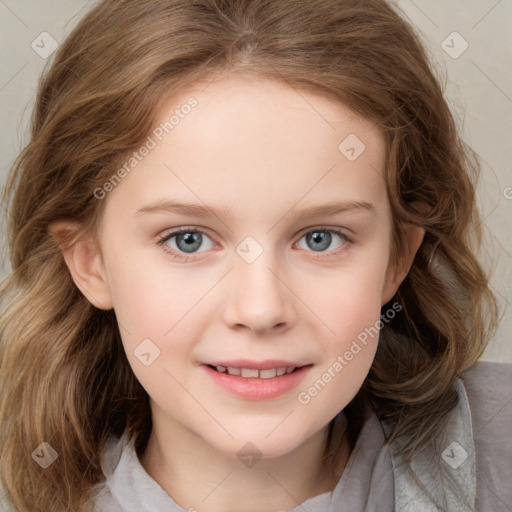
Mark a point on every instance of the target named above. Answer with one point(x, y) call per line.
point(319, 237)
point(190, 239)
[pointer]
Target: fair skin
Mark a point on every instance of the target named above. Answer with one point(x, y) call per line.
point(264, 152)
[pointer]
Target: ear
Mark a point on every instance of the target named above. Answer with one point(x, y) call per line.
point(84, 260)
point(395, 273)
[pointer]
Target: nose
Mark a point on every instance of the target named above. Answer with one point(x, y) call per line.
point(259, 298)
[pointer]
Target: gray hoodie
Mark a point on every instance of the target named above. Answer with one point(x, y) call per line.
point(470, 469)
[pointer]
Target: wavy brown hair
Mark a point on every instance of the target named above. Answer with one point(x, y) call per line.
point(65, 378)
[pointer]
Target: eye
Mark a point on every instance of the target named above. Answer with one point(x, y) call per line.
point(184, 241)
point(321, 238)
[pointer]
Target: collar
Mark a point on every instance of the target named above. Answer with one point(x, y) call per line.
point(443, 475)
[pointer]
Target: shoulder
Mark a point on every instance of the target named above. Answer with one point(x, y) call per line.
point(488, 387)
point(489, 369)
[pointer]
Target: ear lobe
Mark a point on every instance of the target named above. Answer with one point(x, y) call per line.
point(84, 261)
point(394, 275)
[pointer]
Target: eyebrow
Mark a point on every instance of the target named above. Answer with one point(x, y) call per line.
point(204, 211)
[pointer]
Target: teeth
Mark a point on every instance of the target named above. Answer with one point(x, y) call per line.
point(253, 373)
point(268, 374)
point(249, 372)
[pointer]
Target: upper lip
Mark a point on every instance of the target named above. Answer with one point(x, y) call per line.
point(259, 365)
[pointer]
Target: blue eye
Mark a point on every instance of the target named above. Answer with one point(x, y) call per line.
point(187, 241)
point(322, 238)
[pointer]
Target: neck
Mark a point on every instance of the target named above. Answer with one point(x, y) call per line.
point(195, 475)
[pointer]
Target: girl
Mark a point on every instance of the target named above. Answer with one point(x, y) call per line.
point(243, 241)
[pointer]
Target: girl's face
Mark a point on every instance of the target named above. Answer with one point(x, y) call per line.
point(265, 168)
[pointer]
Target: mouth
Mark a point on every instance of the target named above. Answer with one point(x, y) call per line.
point(255, 373)
point(257, 383)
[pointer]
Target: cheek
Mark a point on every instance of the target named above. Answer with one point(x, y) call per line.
point(351, 310)
point(361, 298)
point(167, 306)
point(352, 314)
point(350, 299)
point(146, 293)
point(154, 313)
point(150, 310)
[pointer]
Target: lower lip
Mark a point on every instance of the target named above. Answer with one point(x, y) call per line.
point(257, 388)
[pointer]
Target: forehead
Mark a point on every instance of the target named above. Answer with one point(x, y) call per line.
point(250, 105)
point(244, 138)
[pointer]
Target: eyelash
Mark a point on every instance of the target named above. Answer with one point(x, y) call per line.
point(180, 256)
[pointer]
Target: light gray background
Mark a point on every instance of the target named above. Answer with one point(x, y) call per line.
point(479, 90)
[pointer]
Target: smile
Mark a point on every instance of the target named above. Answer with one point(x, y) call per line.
point(257, 384)
point(253, 373)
